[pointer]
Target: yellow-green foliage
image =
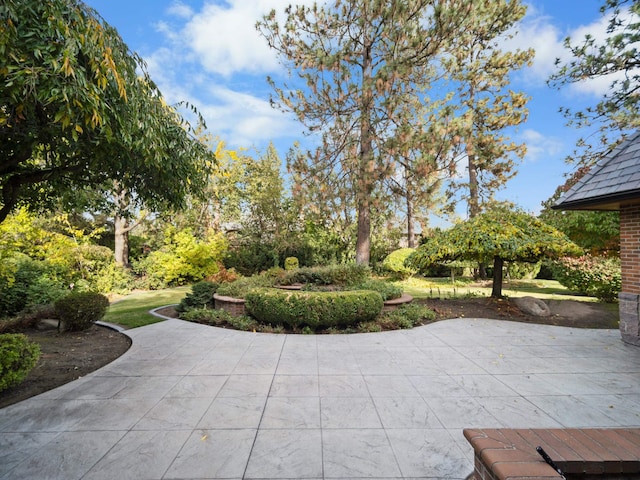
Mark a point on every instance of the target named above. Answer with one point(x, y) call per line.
point(315, 310)
point(291, 263)
point(183, 259)
point(394, 262)
point(18, 356)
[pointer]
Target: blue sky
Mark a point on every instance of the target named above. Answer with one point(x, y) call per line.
point(207, 52)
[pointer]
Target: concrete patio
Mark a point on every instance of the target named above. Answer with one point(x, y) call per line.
point(194, 402)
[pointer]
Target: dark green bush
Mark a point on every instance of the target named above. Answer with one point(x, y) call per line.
point(18, 356)
point(251, 258)
point(394, 262)
point(342, 274)
point(80, 310)
point(315, 310)
point(201, 296)
point(242, 286)
point(406, 316)
point(599, 277)
point(219, 317)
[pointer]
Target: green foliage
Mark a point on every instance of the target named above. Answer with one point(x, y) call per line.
point(18, 356)
point(387, 290)
point(523, 270)
point(28, 283)
point(242, 286)
point(251, 258)
point(406, 316)
point(343, 274)
point(201, 296)
point(78, 108)
point(315, 310)
point(291, 263)
point(182, 259)
point(394, 262)
point(599, 277)
point(80, 310)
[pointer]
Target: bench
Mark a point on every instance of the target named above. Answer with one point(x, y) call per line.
point(581, 453)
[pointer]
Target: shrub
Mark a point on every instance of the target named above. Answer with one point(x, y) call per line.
point(389, 291)
point(80, 310)
point(342, 274)
point(394, 262)
point(521, 270)
point(222, 318)
point(201, 296)
point(313, 309)
point(406, 316)
point(251, 258)
point(242, 286)
point(600, 277)
point(291, 263)
point(18, 356)
point(223, 275)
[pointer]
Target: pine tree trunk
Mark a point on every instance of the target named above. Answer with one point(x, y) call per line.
point(121, 250)
point(496, 291)
point(411, 234)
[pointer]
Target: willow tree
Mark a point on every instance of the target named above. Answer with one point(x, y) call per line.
point(77, 109)
point(480, 69)
point(359, 62)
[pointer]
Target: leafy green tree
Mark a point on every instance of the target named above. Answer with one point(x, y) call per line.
point(74, 112)
point(360, 61)
point(616, 58)
point(598, 232)
point(495, 236)
point(480, 70)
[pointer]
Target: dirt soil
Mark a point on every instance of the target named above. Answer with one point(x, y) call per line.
point(71, 355)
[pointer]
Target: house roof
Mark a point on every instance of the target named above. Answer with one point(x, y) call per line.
point(612, 182)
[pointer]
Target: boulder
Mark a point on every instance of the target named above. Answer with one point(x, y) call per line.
point(533, 306)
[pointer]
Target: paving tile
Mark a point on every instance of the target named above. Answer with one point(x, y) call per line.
point(206, 386)
point(517, 412)
point(571, 412)
point(246, 386)
point(286, 454)
point(69, 456)
point(405, 412)
point(461, 412)
point(390, 386)
point(295, 386)
point(153, 387)
point(139, 454)
point(213, 454)
point(35, 415)
point(429, 453)
point(16, 447)
point(115, 414)
point(233, 412)
point(437, 386)
point(358, 454)
point(291, 412)
point(341, 412)
point(483, 386)
point(174, 414)
point(343, 386)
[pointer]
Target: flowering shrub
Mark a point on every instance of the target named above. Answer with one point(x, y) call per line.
point(600, 277)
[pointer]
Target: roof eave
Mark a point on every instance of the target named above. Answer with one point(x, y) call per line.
point(604, 202)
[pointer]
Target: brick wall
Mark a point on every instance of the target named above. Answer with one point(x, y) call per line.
point(630, 259)
point(630, 248)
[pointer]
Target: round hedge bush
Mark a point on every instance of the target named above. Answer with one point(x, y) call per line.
point(316, 310)
point(79, 310)
point(18, 356)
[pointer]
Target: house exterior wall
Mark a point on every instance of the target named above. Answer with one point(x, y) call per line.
point(630, 259)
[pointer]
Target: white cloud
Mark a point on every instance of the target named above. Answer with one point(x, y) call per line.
point(180, 10)
point(540, 147)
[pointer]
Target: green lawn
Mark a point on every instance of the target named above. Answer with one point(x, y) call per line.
point(444, 287)
point(133, 310)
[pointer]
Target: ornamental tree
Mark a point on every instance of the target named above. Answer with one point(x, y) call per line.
point(77, 108)
point(496, 236)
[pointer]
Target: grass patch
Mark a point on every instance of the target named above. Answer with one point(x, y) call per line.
point(133, 310)
point(419, 287)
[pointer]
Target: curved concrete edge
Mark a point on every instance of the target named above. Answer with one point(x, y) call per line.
point(155, 313)
point(112, 326)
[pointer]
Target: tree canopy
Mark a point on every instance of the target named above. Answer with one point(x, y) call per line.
point(77, 108)
point(495, 236)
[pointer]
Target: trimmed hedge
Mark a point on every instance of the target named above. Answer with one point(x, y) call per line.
point(316, 310)
point(78, 311)
point(242, 286)
point(18, 356)
point(343, 274)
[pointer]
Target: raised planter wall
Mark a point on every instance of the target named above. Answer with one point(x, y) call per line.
point(235, 306)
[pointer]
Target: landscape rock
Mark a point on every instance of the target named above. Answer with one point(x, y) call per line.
point(533, 306)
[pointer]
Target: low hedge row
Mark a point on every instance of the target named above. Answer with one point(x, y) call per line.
point(342, 274)
point(316, 310)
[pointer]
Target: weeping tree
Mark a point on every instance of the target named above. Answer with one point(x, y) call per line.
point(77, 110)
point(495, 237)
point(360, 62)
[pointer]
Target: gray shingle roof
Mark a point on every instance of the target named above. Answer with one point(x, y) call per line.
point(614, 180)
